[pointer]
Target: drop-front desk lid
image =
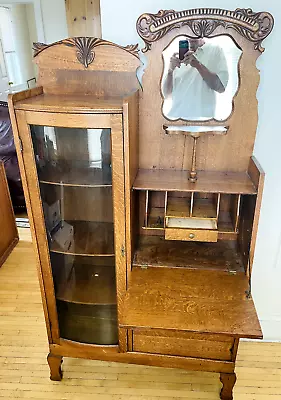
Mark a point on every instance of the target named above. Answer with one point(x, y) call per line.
point(190, 300)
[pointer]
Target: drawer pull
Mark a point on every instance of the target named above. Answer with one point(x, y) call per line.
point(191, 236)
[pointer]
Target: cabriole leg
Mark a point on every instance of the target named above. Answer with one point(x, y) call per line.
point(228, 382)
point(55, 367)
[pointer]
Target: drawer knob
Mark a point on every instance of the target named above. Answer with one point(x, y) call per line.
point(191, 236)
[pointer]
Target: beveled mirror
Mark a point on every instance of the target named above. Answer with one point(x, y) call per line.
point(200, 78)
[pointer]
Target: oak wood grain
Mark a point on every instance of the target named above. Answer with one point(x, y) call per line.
point(195, 301)
point(257, 174)
point(112, 72)
point(191, 235)
point(74, 103)
point(182, 344)
point(131, 159)
point(208, 182)
point(155, 251)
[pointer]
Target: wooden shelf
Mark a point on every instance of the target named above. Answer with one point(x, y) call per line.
point(88, 284)
point(155, 251)
point(208, 182)
point(190, 300)
point(90, 239)
point(70, 103)
point(85, 177)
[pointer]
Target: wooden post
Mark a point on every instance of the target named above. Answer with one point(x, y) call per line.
point(193, 172)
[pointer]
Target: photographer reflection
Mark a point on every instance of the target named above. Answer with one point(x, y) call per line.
point(194, 77)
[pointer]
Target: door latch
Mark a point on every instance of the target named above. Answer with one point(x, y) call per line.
point(123, 251)
point(21, 146)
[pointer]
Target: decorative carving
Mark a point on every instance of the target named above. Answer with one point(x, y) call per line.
point(204, 21)
point(85, 48)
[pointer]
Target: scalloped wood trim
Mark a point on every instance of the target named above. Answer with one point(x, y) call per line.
point(255, 27)
point(85, 48)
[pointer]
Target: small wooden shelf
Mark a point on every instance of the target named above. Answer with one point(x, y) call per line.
point(208, 182)
point(155, 251)
point(70, 103)
point(90, 239)
point(88, 284)
point(84, 177)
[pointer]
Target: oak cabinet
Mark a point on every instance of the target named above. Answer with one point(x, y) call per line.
point(139, 260)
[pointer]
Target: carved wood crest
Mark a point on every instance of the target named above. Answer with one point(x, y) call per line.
point(84, 48)
point(255, 27)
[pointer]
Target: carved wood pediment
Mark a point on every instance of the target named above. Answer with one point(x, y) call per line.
point(202, 22)
point(84, 48)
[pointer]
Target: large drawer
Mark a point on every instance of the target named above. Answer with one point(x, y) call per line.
point(184, 344)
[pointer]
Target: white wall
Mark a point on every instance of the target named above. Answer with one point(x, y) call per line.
point(267, 263)
point(54, 20)
point(22, 41)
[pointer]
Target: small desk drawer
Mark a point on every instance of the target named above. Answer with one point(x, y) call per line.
point(183, 344)
point(192, 235)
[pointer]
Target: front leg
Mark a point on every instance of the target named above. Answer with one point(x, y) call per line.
point(228, 382)
point(55, 367)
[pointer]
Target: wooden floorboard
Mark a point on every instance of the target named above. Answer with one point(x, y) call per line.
point(24, 373)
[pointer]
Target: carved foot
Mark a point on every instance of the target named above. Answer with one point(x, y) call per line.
point(228, 382)
point(55, 367)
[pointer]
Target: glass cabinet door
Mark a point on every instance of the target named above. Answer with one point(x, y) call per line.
point(75, 179)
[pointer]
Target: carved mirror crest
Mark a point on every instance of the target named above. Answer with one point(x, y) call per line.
point(200, 75)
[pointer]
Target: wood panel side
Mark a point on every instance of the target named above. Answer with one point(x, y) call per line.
point(255, 171)
point(183, 347)
point(24, 95)
point(18, 144)
point(118, 180)
point(258, 176)
point(131, 151)
point(8, 232)
point(35, 213)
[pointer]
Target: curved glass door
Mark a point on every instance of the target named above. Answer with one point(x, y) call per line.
point(74, 173)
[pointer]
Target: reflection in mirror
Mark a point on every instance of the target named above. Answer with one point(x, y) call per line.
point(200, 78)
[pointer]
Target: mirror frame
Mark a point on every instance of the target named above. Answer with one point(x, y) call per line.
point(206, 22)
point(203, 22)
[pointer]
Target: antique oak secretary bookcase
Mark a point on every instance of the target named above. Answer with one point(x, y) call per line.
point(144, 215)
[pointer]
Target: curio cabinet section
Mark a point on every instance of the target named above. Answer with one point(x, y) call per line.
point(75, 166)
point(75, 179)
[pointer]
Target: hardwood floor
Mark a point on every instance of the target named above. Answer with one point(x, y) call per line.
point(24, 373)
